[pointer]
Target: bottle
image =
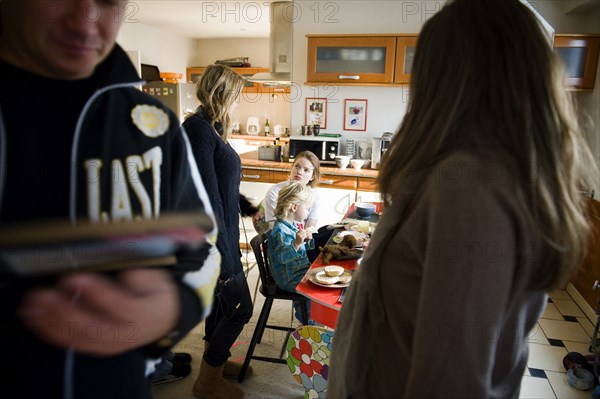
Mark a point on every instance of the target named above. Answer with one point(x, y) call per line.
point(278, 149)
point(267, 127)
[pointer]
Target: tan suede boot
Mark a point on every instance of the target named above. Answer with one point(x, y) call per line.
point(231, 370)
point(210, 384)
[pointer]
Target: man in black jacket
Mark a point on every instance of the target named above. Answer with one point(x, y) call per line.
point(79, 141)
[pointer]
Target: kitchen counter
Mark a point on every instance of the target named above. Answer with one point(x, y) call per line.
point(338, 188)
point(250, 160)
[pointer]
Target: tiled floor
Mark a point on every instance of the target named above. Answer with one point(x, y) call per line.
point(562, 328)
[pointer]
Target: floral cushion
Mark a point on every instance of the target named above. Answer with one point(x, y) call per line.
point(309, 350)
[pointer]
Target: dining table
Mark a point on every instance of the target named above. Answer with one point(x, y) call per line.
point(325, 301)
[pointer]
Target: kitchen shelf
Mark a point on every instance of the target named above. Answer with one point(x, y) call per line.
point(193, 74)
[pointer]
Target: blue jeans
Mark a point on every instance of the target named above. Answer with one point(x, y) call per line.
point(163, 368)
point(232, 310)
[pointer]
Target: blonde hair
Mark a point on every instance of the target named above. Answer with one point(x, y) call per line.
point(476, 98)
point(295, 193)
point(217, 90)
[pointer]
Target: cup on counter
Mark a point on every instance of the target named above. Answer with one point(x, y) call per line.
point(342, 161)
point(316, 129)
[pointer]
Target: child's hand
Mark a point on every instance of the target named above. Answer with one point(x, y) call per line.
point(300, 237)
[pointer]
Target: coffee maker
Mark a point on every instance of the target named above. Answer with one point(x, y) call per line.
point(380, 145)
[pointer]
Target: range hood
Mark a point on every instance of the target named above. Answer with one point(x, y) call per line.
point(280, 46)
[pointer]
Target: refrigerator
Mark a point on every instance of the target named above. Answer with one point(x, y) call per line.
point(180, 97)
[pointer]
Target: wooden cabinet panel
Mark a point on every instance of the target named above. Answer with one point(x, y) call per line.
point(353, 59)
point(580, 55)
point(333, 181)
point(264, 175)
point(365, 184)
point(405, 53)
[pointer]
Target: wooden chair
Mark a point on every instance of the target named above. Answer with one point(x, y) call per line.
point(270, 291)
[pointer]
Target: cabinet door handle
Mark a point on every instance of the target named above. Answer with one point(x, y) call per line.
point(326, 182)
point(353, 77)
point(251, 177)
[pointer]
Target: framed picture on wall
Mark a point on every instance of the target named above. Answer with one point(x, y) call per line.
point(355, 114)
point(316, 112)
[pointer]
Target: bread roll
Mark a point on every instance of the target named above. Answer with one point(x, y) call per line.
point(334, 270)
point(325, 279)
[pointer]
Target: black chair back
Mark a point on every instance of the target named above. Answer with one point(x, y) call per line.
point(260, 247)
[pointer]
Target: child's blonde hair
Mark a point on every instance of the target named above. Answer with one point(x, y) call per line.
point(294, 193)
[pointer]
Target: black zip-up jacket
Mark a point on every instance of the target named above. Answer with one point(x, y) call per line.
point(101, 150)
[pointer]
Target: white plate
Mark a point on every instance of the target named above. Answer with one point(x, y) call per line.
point(340, 236)
point(321, 270)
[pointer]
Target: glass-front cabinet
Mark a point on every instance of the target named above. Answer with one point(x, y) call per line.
point(405, 53)
point(351, 59)
point(579, 52)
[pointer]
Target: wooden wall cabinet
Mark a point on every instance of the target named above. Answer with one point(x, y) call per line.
point(351, 59)
point(361, 60)
point(580, 55)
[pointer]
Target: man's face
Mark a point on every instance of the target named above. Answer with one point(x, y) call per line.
point(59, 39)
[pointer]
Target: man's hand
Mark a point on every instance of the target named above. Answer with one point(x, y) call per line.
point(98, 315)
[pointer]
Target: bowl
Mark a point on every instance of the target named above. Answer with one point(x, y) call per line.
point(364, 209)
point(357, 163)
point(342, 161)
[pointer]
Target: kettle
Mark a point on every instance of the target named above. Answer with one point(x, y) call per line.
point(279, 130)
point(253, 125)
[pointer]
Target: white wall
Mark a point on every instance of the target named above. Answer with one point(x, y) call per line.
point(169, 51)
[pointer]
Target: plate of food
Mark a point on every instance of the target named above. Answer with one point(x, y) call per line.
point(332, 276)
point(358, 235)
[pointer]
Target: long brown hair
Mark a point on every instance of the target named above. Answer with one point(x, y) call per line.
point(217, 90)
point(485, 76)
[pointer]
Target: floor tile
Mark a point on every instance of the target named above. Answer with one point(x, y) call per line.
point(587, 325)
point(536, 388)
point(583, 348)
point(539, 373)
point(537, 336)
point(565, 330)
point(559, 294)
point(546, 357)
point(552, 312)
point(562, 389)
point(556, 342)
point(568, 307)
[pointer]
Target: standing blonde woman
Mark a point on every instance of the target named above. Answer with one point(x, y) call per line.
point(483, 215)
point(221, 170)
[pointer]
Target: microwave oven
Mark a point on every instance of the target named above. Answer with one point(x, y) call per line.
point(325, 148)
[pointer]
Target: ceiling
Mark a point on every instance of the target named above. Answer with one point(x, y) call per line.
point(201, 19)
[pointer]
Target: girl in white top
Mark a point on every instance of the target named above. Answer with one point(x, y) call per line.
point(304, 170)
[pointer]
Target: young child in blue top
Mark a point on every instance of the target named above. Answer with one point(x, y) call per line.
point(288, 242)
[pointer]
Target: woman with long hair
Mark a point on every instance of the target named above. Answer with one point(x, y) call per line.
point(484, 214)
point(220, 166)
